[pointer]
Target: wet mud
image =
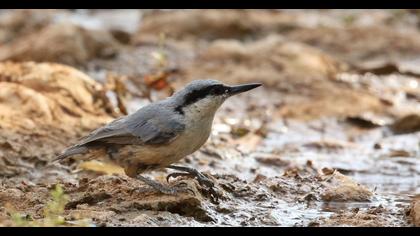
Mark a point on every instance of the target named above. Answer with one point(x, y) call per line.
point(330, 139)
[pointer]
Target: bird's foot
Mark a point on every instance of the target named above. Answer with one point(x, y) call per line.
point(203, 180)
point(169, 190)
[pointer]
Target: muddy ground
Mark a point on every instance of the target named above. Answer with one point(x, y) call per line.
point(331, 139)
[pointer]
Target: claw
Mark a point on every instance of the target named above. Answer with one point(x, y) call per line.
point(166, 189)
point(175, 175)
point(191, 191)
point(214, 196)
point(182, 184)
point(202, 179)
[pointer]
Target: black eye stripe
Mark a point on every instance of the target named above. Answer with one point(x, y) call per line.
point(217, 89)
point(198, 94)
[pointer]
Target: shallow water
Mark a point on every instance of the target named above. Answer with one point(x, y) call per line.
point(394, 180)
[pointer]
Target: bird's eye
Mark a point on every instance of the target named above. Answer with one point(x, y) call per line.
point(218, 90)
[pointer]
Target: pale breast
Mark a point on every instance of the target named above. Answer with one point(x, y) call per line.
point(137, 158)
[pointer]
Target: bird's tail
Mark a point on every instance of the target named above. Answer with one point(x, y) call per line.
point(70, 152)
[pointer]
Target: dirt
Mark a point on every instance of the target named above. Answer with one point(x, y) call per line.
point(407, 124)
point(18, 23)
point(415, 211)
point(330, 139)
point(48, 95)
point(371, 217)
point(345, 189)
point(61, 42)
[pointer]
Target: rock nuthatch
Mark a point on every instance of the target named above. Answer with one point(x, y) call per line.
point(161, 133)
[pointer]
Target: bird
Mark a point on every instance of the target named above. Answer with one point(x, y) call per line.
point(160, 133)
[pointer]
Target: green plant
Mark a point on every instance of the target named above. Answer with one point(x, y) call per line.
point(53, 213)
point(160, 56)
point(55, 208)
point(349, 20)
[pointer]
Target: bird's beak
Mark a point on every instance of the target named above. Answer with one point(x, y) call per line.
point(242, 88)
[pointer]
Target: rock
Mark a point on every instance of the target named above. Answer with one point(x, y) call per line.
point(56, 105)
point(329, 144)
point(109, 190)
point(210, 24)
point(358, 45)
point(406, 124)
point(365, 121)
point(274, 53)
point(304, 75)
point(415, 211)
point(341, 188)
point(15, 200)
point(399, 153)
point(50, 93)
point(17, 23)
point(60, 42)
point(372, 217)
point(100, 215)
point(355, 43)
point(272, 160)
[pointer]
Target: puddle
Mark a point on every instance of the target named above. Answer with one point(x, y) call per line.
point(394, 180)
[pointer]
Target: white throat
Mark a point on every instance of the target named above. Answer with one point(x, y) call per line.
point(203, 109)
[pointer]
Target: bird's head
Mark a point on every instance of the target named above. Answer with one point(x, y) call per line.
point(206, 96)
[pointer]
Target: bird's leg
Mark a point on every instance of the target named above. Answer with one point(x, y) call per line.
point(160, 187)
point(202, 179)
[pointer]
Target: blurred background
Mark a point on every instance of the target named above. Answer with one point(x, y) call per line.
point(331, 139)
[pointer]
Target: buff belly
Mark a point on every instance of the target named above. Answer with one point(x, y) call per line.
point(136, 159)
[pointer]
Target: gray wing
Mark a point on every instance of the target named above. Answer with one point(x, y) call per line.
point(146, 126)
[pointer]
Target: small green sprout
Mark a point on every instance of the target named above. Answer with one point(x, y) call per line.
point(160, 56)
point(53, 213)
